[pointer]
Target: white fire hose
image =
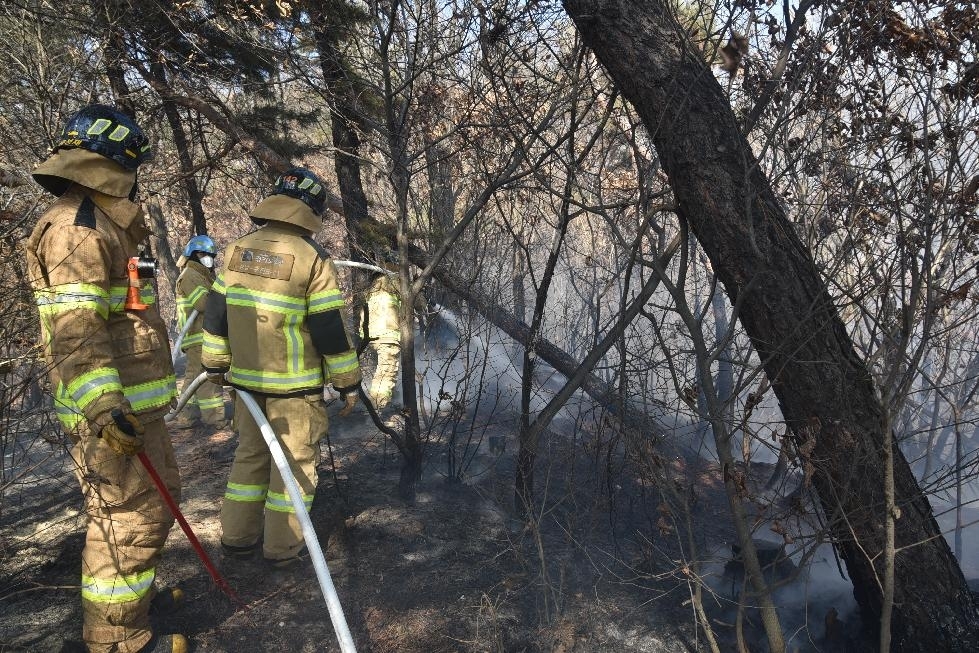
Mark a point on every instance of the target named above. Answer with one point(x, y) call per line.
point(180, 338)
point(185, 396)
point(362, 266)
point(312, 543)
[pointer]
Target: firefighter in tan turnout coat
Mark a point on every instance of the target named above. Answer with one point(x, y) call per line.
point(193, 284)
point(380, 325)
point(274, 327)
point(109, 360)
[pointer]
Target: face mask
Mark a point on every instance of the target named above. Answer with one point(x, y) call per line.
point(207, 260)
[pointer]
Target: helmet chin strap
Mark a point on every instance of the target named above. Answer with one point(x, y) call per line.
point(134, 191)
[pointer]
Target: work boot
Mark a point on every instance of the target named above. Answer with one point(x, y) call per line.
point(184, 421)
point(219, 425)
point(239, 552)
point(289, 563)
point(172, 643)
point(167, 600)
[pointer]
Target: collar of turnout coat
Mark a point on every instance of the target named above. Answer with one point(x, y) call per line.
point(126, 215)
point(86, 168)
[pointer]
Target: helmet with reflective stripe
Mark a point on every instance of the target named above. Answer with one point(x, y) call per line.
point(109, 132)
point(303, 185)
point(200, 244)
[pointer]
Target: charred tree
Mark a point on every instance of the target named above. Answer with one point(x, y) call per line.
point(824, 388)
point(632, 418)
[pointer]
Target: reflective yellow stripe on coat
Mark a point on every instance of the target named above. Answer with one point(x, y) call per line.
point(72, 296)
point(141, 397)
point(185, 305)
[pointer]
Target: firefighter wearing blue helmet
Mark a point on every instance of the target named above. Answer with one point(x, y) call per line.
point(196, 265)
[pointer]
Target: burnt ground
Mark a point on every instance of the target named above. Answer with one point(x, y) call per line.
point(451, 571)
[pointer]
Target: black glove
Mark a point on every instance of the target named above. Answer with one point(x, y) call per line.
point(216, 376)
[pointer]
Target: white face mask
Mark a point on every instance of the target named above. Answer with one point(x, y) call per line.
point(207, 260)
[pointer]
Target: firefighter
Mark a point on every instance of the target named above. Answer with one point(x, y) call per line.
point(193, 284)
point(274, 327)
point(380, 327)
point(109, 359)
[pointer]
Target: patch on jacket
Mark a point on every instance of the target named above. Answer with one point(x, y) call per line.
point(86, 214)
point(261, 263)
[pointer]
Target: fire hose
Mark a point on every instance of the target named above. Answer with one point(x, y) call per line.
point(309, 534)
point(183, 332)
point(187, 393)
point(161, 487)
point(362, 266)
point(219, 580)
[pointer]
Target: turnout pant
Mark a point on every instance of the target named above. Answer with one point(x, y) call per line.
point(256, 501)
point(128, 523)
point(386, 373)
point(208, 400)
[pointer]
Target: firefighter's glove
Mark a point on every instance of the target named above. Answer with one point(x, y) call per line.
point(123, 434)
point(349, 396)
point(217, 376)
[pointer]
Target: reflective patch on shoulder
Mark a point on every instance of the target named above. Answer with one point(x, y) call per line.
point(86, 214)
point(261, 263)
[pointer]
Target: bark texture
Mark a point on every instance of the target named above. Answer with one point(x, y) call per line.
point(346, 138)
point(824, 389)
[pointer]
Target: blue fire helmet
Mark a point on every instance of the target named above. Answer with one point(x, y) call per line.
point(200, 244)
point(109, 132)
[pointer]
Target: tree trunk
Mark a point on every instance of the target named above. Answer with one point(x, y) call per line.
point(523, 500)
point(824, 388)
point(346, 140)
point(194, 197)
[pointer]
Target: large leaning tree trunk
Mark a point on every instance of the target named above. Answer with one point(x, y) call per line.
point(824, 388)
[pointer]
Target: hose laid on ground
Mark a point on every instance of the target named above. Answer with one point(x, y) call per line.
point(312, 544)
point(180, 338)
